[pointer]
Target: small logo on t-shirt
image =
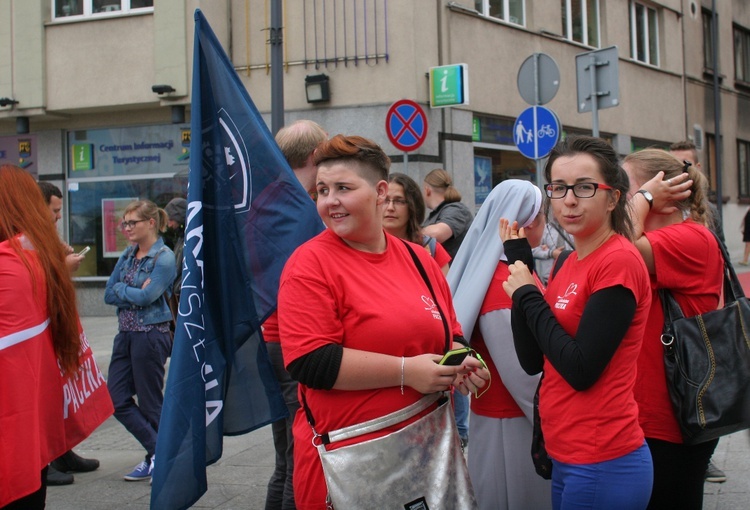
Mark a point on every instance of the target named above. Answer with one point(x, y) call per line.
point(430, 307)
point(562, 301)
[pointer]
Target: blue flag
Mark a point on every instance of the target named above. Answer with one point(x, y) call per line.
point(246, 214)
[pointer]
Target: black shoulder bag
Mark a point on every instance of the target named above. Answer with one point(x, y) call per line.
point(707, 362)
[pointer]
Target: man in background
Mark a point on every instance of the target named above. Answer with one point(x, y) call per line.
point(297, 142)
point(59, 472)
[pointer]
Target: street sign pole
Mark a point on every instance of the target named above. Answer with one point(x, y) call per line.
point(594, 96)
point(406, 163)
point(538, 74)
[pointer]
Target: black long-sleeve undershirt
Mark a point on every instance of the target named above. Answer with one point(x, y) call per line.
point(580, 360)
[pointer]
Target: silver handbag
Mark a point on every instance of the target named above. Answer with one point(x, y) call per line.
point(419, 467)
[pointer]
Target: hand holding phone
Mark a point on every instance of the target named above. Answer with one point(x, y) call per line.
point(84, 251)
point(455, 357)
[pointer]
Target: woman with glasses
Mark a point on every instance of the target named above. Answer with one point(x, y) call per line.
point(501, 418)
point(139, 287)
point(683, 256)
point(403, 214)
point(585, 334)
point(358, 327)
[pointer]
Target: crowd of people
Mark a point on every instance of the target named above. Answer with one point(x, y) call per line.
point(581, 331)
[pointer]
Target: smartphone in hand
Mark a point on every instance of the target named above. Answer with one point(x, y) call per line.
point(455, 357)
point(83, 251)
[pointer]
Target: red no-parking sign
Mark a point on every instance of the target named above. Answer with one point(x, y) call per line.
point(406, 125)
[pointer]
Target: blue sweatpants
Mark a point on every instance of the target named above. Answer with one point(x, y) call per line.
point(137, 369)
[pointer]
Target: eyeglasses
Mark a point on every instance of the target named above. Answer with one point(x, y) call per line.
point(125, 225)
point(397, 202)
point(580, 190)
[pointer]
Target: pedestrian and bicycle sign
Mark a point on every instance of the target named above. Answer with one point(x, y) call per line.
point(536, 132)
point(406, 125)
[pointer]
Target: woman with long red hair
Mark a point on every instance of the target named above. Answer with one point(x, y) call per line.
point(39, 339)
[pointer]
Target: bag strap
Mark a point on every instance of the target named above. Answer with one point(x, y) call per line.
point(426, 279)
point(559, 262)
point(388, 420)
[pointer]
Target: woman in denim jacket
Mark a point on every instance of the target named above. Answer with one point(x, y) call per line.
point(139, 287)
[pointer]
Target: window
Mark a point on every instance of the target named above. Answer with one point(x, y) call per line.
point(741, 54)
point(644, 33)
point(94, 8)
point(708, 40)
point(109, 168)
point(743, 168)
point(512, 11)
point(580, 21)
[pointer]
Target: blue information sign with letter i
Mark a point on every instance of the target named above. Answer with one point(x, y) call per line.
point(536, 132)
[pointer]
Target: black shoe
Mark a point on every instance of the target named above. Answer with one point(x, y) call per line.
point(55, 477)
point(70, 462)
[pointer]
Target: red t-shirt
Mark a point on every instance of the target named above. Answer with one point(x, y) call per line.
point(270, 328)
point(689, 263)
point(441, 256)
point(331, 293)
point(496, 402)
point(600, 423)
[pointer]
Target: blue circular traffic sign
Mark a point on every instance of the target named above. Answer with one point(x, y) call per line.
point(406, 125)
point(536, 132)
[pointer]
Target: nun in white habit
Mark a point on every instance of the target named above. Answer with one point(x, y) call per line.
point(500, 424)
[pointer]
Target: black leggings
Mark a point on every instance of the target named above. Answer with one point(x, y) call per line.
point(34, 501)
point(679, 472)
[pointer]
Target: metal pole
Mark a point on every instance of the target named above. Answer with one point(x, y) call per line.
point(537, 102)
point(717, 108)
point(594, 97)
point(406, 163)
point(277, 62)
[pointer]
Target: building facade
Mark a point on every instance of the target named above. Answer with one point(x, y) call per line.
point(95, 94)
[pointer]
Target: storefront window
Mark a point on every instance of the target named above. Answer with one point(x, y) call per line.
point(109, 168)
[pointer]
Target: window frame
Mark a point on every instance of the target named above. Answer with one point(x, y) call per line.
point(568, 17)
point(743, 193)
point(88, 11)
point(485, 11)
point(743, 74)
point(650, 48)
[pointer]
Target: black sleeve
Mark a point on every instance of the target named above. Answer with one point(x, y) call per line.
point(580, 360)
point(530, 356)
point(519, 249)
point(319, 369)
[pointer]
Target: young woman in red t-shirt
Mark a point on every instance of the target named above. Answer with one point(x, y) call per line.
point(586, 332)
point(358, 327)
point(681, 255)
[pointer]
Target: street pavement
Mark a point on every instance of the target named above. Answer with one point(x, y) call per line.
point(238, 480)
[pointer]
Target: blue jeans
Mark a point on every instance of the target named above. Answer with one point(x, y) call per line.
point(623, 483)
point(461, 409)
point(137, 369)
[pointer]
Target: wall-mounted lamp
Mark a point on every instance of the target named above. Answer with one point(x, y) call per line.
point(162, 89)
point(6, 101)
point(22, 125)
point(317, 88)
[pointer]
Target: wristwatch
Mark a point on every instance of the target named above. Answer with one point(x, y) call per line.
point(648, 196)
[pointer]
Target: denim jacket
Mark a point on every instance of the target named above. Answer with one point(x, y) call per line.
point(149, 303)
